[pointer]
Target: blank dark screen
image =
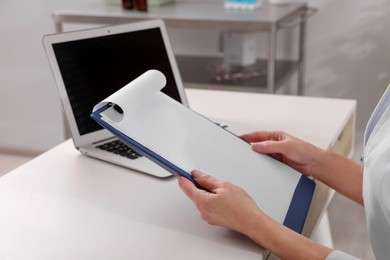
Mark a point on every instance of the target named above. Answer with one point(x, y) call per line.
point(94, 68)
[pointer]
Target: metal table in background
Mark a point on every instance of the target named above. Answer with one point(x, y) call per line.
point(211, 15)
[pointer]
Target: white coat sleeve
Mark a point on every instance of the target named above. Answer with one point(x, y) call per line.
point(338, 255)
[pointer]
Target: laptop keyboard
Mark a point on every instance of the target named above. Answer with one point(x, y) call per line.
point(118, 147)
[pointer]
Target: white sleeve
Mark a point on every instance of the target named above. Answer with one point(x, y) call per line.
point(338, 255)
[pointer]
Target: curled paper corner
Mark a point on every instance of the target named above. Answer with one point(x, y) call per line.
point(139, 89)
point(115, 113)
point(110, 110)
point(157, 75)
point(99, 105)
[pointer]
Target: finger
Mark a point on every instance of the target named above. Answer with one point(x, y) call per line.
point(187, 187)
point(260, 136)
point(206, 181)
point(269, 147)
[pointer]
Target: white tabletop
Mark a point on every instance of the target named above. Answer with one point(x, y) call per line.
point(316, 120)
point(63, 205)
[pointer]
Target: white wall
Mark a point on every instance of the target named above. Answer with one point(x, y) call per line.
point(30, 112)
point(348, 45)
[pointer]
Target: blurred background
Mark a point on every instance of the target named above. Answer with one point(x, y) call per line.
point(347, 56)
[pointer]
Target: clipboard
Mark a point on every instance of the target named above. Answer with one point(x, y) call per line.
point(180, 140)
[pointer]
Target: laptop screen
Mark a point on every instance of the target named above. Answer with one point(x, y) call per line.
point(94, 68)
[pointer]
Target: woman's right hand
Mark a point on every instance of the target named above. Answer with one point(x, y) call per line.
point(292, 151)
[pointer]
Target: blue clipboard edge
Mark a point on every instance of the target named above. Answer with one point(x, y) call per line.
point(139, 148)
point(300, 203)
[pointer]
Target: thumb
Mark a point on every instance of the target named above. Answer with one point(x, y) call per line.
point(268, 147)
point(208, 182)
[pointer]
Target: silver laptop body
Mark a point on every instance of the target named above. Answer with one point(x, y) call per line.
point(89, 65)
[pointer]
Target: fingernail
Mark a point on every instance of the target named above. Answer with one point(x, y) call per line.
point(256, 146)
point(196, 173)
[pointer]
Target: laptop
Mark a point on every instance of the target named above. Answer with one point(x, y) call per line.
point(89, 65)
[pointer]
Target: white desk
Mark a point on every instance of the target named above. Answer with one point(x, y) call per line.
point(63, 205)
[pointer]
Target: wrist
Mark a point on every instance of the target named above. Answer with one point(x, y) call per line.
point(283, 242)
point(317, 163)
point(255, 228)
